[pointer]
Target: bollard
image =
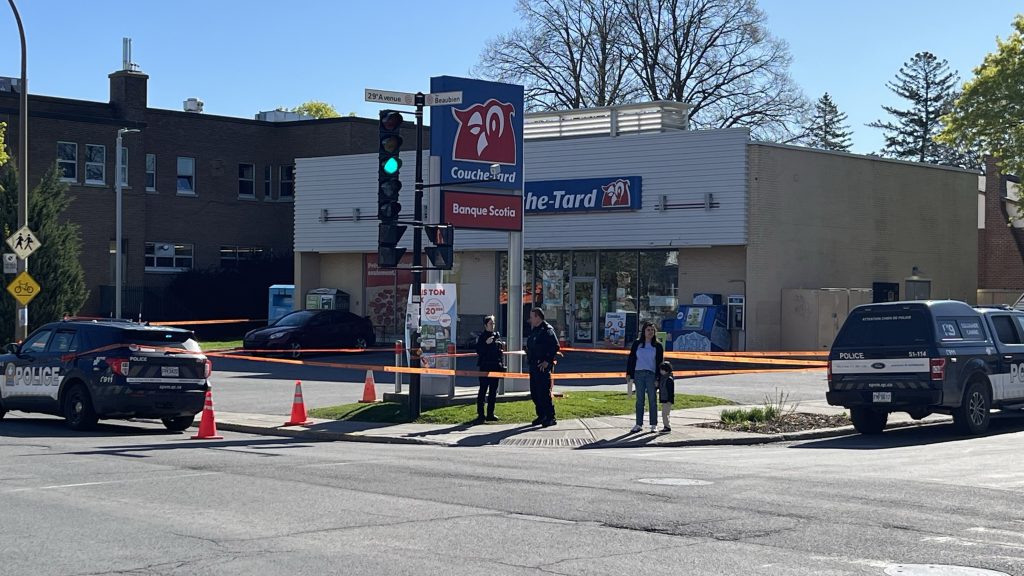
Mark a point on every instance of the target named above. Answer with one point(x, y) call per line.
point(399, 353)
point(454, 366)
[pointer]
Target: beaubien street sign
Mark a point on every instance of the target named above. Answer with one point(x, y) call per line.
point(409, 99)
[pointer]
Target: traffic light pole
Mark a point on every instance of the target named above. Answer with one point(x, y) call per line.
point(417, 263)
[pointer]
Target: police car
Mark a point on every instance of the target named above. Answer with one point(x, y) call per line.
point(88, 370)
point(928, 357)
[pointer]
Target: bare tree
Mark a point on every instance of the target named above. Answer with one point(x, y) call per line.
point(566, 54)
point(715, 55)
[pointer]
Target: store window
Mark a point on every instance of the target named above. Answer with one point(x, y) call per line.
point(658, 286)
point(531, 290)
point(617, 290)
point(552, 271)
point(387, 296)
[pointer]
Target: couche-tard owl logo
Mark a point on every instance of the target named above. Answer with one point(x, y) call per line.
point(485, 133)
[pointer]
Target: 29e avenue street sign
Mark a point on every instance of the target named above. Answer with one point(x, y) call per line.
point(409, 99)
point(482, 211)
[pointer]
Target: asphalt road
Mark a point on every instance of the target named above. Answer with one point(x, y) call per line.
point(132, 499)
point(268, 387)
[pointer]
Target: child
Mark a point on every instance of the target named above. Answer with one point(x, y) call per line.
point(666, 394)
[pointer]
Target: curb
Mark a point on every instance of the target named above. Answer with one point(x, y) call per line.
point(298, 432)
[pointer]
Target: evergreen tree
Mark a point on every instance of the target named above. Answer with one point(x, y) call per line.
point(56, 265)
point(827, 128)
point(930, 89)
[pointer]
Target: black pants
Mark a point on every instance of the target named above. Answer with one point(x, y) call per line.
point(488, 389)
point(540, 393)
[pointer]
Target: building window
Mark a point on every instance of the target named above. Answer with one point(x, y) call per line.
point(150, 172)
point(247, 180)
point(67, 161)
point(186, 175)
point(287, 181)
point(124, 166)
point(168, 257)
point(268, 181)
point(95, 164)
point(231, 256)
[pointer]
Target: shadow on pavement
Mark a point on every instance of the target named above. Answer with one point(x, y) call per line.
point(139, 450)
point(493, 438)
point(915, 436)
point(627, 440)
point(56, 428)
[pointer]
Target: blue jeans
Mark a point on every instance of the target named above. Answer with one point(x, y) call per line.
point(646, 386)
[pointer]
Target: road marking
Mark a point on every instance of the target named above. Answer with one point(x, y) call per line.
point(82, 484)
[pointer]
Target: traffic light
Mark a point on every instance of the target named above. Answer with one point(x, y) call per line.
point(388, 166)
point(442, 253)
point(388, 253)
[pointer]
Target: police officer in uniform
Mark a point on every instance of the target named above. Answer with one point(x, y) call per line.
point(541, 352)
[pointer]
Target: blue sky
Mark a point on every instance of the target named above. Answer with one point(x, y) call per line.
point(241, 57)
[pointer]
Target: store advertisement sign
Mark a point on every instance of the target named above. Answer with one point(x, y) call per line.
point(485, 129)
point(482, 211)
point(586, 195)
point(615, 329)
point(438, 318)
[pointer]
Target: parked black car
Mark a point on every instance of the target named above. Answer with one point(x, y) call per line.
point(88, 370)
point(312, 329)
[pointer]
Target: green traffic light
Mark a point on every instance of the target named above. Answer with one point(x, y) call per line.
point(391, 165)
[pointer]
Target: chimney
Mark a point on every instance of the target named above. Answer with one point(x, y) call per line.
point(128, 87)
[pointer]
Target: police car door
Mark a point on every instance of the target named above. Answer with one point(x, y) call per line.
point(27, 378)
point(1010, 383)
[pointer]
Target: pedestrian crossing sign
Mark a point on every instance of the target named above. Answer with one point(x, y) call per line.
point(23, 242)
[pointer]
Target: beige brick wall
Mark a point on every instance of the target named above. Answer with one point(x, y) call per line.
point(710, 270)
point(825, 220)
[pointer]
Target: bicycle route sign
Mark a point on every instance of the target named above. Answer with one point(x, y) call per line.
point(24, 288)
point(23, 242)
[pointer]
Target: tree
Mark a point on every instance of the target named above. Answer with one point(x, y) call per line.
point(56, 265)
point(3, 147)
point(715, 55)
point(989, 114)
point(930, 88)
point(827, 128)
point(316, 109)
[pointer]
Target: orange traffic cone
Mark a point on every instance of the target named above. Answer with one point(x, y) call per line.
point(299, 417)
point(369, 389)
point(208, 425)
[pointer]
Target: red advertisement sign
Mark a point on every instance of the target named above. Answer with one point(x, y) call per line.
point(482, 211)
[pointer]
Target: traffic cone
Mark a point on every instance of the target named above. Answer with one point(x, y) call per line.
point(369, 389)
point(299, 417)
point(208, 425)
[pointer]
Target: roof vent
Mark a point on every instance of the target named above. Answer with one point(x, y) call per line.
point(193, 105)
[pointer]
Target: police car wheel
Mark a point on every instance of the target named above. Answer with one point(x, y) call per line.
point(78, 410)
point(972, 417)
point(868, 421)
point(179, 423)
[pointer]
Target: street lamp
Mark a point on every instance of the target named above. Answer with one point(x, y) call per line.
point(118, 184)
point(21, 318)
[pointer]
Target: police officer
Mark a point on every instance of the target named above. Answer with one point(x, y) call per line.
point(541, 351)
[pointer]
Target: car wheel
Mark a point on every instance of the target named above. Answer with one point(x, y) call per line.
point(868, 421)
point(361, 343)
point(179, 423)
point(295, 350)
point(972, 417)
point(3, 411)
point(78, 409)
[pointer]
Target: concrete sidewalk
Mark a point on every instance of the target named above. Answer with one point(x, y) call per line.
point(603, 432)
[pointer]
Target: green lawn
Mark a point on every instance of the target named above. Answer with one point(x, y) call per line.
point(221, 345)
point(571, 405)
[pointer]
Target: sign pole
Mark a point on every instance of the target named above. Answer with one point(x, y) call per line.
point(21, 318)
point(417, 262)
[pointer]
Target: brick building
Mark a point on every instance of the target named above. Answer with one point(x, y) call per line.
point(201, 191)
point(1000, 238)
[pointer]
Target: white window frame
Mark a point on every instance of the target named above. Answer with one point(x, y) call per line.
point(177, 180)
point(268, 182)
point(282, 182)
point(150, 172)
point(251, 180)
point(124, 167)
point(73, 162)
point(180, 261)
point(102, 165)
point(233, 255)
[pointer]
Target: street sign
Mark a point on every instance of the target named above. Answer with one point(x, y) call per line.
point(388, 97)
point(23, 242)
point(409, 99)
point(444, 98)
point(10, 263)
point(24, 288)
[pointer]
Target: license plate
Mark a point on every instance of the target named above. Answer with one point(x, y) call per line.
point(881, 396)
point(169, 371)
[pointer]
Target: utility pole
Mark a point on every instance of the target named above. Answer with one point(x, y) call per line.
point(21, 318)
point(118, 186)
point(417, 264)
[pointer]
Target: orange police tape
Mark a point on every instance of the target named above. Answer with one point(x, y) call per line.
point(206, 322)
point(509, 375)
point(762, 358)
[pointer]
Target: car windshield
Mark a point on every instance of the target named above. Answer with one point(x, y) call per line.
point(295, 318)
point(886, 327)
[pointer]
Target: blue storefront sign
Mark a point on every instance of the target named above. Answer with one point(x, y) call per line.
point(486, 129)
point(586, 195)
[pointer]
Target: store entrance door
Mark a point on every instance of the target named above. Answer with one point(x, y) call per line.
point(583, 310)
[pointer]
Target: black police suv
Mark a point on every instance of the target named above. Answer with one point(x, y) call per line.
point(928, 357)
point(88, 370)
